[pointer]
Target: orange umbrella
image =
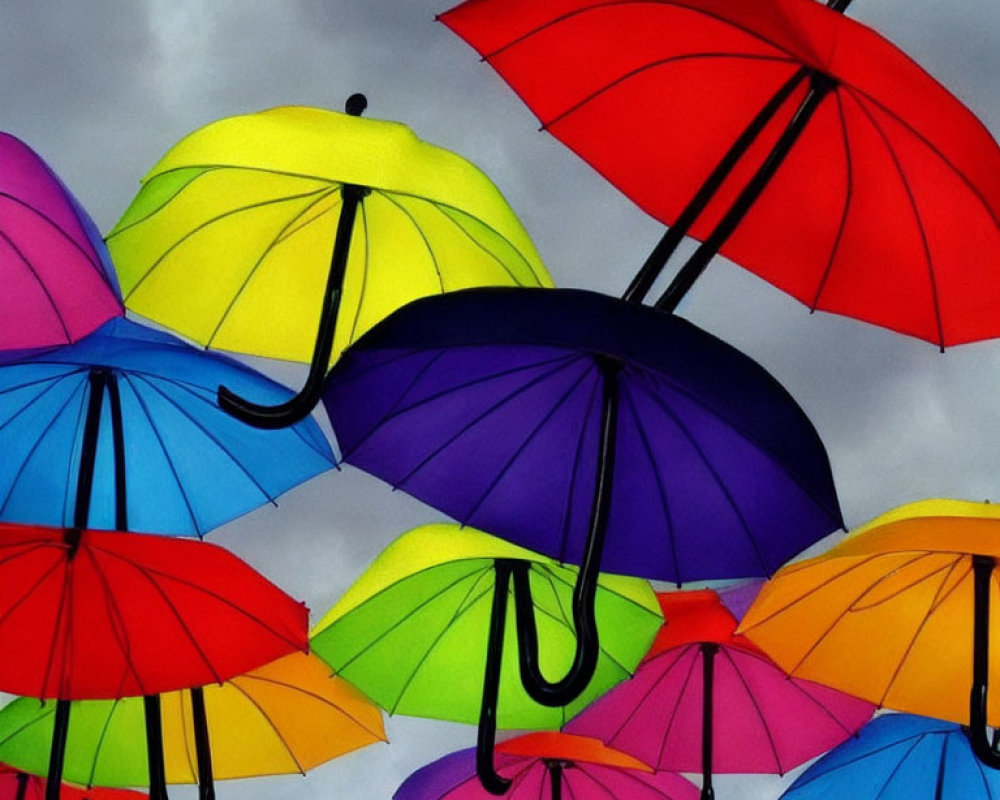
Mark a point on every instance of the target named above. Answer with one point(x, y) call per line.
point(898, 614)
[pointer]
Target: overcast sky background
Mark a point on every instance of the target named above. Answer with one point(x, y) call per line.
point(101, 89)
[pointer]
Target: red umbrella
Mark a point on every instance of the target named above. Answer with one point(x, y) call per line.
point(17, 785)
point(106, 614)
point(867, 188)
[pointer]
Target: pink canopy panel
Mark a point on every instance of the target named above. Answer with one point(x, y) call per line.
point(56, 280)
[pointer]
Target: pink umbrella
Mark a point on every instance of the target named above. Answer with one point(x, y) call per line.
point(540, 765)
point(56, 276)
point(767, 722)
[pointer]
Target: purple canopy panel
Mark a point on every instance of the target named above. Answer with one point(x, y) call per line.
point(487, 404)
point(453, 777)
point(56, 276)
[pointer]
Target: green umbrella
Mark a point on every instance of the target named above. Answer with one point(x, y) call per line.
point(414, 632)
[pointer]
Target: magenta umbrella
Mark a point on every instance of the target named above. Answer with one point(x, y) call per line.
point(706, 699)
point(56, 279)
point(540, 766)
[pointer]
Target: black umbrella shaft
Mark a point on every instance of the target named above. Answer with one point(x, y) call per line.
point(98, 381)
point(555, 779)
point(979, 738)
point(202, 745)
point(588, 646)
point(486, 737)
point(154, 747)
point(22, 785)
point(300, 406)
point(708, 651)
point(689, 273)
point(57, 754)
point(650, 271)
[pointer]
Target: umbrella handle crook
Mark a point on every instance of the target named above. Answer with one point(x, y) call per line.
point(588, 646)
point(301, 405)
point(977, 732)
point(487, 733)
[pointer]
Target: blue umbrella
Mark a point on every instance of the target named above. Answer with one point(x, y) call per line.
point(900, 757)
point(167, 458)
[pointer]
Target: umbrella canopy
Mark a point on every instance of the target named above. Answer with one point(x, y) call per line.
point(823, 127)
point(285, 717)
point(167, 458)
point(90, 614)
point(542, 765)
point(895, 613)
point(259, 198)
point(900, 757)
point(702, 685)
point(17, 785)
point(428, 620)
point(58, 283)
point(717, 472)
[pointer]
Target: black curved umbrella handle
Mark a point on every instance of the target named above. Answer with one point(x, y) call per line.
point(571, 686)
point(978, 733)
point(301, 405)
point(588, 646)
point(487, 733)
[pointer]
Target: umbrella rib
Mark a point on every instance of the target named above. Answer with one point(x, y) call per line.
point(736, 428)
point(41, 284)
point(474, 575)
point(797, 684)
point(152, 577)
point(807, 778)
point(166, 454)
point(62, 232)
point(857, 605)
point(848, 196)
point(250, 677)
point(31, 451)
point(420, 233)
point(278, 238)
point(91, 778)
point(398, 410)
point(271, 724)
point(683, 429)
point(680, 696)
point(208, 435)
point(660, 487)
point(936, 600)
point(896, 768)
point(917, 218)
point(813, 589)
point(530, 437)
point(631, 775)
point(840, 616)
point(581, 767)
point(212, 220)
point(120, 629)
point(930, 145)
point(520, 390)
point(440, 206)
point(982, 776)
point(461, 609)
point(65, 608)
point(12, 607)
point(152, 574)
point(46, 710)
point(548, 125)
point(757, 709)
point(365, 267)
point(567, 510)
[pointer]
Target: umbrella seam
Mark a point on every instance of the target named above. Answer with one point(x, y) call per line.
point(756, 707)
point(41, 284)
point(566, 513)
point(420, 233)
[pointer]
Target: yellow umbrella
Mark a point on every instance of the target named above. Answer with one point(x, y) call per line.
point(890, 614)
point(229, 240)
point(285, 717)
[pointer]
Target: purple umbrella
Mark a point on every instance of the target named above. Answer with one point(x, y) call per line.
point(595, 431)
point(58, 284)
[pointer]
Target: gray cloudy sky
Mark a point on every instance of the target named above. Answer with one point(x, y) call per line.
point(102, 88)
